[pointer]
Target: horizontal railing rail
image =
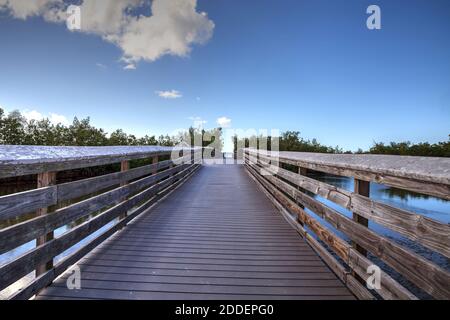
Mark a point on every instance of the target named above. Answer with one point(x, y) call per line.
point(425, 175)
point(292, 192)
point(26, 160)
point(116, 198)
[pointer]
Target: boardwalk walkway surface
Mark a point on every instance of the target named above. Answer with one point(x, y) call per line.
point(216, 237)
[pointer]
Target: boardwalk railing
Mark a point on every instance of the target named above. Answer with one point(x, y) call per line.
point(293, 192)
point(108, 202)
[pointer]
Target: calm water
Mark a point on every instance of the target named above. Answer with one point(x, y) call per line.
point(428, 206)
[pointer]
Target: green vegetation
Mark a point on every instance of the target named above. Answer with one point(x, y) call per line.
point(292, 141)
point(16, 130)
point(440, 149)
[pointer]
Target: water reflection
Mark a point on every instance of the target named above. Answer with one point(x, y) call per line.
point(401, 194)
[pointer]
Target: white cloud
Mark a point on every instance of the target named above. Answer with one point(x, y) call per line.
point(58, 118)
point(32, 115)
point(172, 94)
point(100, 65)
point(130, 66)
point(224, 122)
point(23, 9)
point(171, 29)
point(106, 17)
point(37, 116)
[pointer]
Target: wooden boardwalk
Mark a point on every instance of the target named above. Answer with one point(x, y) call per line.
point(215, 237)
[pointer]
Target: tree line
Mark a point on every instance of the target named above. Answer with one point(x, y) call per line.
point(15, 129)
point(292, 141)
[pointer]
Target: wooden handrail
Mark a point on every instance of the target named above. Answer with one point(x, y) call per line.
point(390, 289)
point(110, 196)
point(428, 232)
point(25, 160)
point(286, 188)
point(20, 233)
point(425, 175)
point(17, 204)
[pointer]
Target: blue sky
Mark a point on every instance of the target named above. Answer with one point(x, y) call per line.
point(310, 66)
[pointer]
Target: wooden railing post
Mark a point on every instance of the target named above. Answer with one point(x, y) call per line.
point(303, 172)
point(180, 154)
point(155, 161)
point(44, 179)
point(363, 188)
point(124, 166)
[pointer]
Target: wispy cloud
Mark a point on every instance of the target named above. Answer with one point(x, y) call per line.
point(172, 94)
point(172, 28)
point(100, 65)
point(223, 122)
point(130, 66)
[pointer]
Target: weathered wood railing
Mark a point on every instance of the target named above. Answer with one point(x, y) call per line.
point(116, 197)
point(292, 192)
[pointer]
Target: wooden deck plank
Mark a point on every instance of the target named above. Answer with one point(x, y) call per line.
point(110, 284)
point(120, 249)
point(205, 266)
point(179, 273)
point(62, 293)
point(216, 237)
point(202, 279)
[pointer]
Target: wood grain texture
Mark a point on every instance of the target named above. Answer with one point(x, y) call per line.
point(158, 257)
point(46, 279)
point(428, 232)
point(390, 289)
point(154, 162)
point(362, 188)
point(23, 232)
point(124, 166)
point(15, 205)
point(25, 160)
point(19, 267)
point(44, 180)
point(425, 175)
point(426, 275)
point(354, 286)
